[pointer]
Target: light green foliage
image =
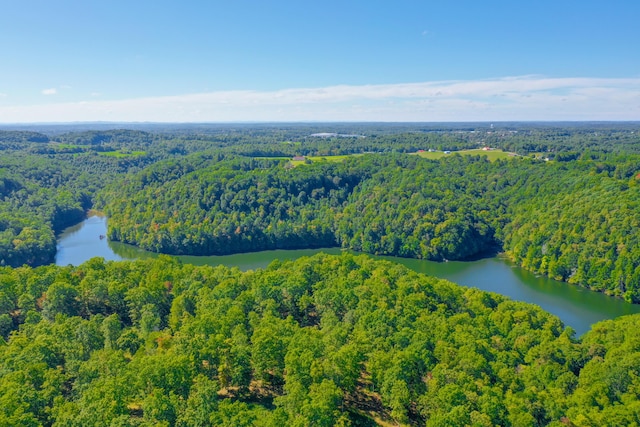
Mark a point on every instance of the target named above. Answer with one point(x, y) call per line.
point(302, 343)
point(123, 153)
point(491, 154)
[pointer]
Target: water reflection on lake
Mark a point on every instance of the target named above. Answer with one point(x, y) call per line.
point(82, 242)
point(577, 307)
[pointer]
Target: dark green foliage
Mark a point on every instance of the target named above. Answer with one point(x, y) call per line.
point(127, 138)
point(555, 219)
point(42, 191)
point(36, 201)
point(16, 138)
point(230, 206)
point(571, 221)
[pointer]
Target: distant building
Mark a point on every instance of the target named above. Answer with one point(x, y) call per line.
point(299, 158)
point(324, 135)
point(335, 135)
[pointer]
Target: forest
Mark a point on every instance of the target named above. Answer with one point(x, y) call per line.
point(553, 218)
point(325, 340)
point(218, 189)
point(320, 341)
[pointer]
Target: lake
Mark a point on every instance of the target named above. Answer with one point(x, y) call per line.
point(575, 306)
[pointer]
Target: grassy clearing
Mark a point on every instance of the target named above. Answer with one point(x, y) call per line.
point(331, 158)
point(120, 153)
point(314, 159)
point(492, 155)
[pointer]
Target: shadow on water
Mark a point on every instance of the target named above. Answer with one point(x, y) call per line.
point(244, 261)
point(575, 306)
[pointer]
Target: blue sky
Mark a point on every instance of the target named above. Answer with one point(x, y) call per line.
point(194, 61)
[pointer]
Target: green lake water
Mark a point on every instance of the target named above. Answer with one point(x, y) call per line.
point(576, 307)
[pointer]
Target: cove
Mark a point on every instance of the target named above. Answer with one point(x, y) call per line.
point(576, 307)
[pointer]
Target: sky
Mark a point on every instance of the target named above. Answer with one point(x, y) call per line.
point(294, 61)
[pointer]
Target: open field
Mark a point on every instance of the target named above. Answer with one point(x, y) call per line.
point(120, 153)
point(295, 163)
point(492, 155)
point(340, 158)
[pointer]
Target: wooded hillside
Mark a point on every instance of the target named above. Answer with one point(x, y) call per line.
point(319, 341)
point(571, 221)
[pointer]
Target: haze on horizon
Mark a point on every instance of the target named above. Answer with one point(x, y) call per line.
point(285, 61)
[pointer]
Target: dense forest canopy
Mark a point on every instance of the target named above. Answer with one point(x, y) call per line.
point(319, 341)
point(234, 192)
point(553, 218)
point(41, 194)
point(323, 340)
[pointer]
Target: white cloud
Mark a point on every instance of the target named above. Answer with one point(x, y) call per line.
point(3, 95)
point(509, 98)
point(51, 91)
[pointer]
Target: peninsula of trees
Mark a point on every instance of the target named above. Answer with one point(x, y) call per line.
point(571, 221)
point(215, 189)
